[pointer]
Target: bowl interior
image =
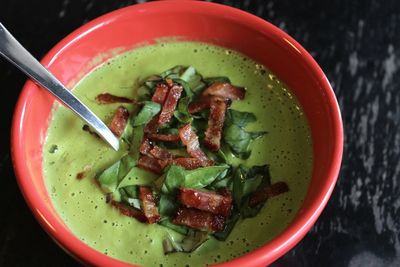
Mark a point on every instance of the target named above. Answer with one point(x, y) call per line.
point(139, 25)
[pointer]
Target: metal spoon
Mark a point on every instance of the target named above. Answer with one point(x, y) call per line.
point(14, 52)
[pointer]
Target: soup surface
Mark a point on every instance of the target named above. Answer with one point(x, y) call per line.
point(69, 150)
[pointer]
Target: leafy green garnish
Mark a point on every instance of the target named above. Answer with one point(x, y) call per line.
point(167, 205)
point(188, 244)
point(220, 79)
point(166, 221)
point(181, 113)
point(247, 181)
point(143, 93)
point(239, 118)
point(236, 136)
point(129, 195)
point(136, 140)
point(110, 178)
point(146, 113)
point(176, 177)
point(193, 79)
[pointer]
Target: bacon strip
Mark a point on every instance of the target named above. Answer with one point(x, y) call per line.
point(119, 121)
point(107, 98)
point(160, 93)
point(198, 219)
point(150, 164)
point(164, 137)
point(161, 153)
point(170, 104)
point(207, 201)
point(148, 204)
point(263, 194)
point(129, 211)
point(189, 163)
point(145, 147)
point(191, 141)
point(200, 105)
point(152, 125)
point(216, 119)
point(225, 90)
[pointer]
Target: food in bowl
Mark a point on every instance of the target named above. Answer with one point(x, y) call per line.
point(76, 162)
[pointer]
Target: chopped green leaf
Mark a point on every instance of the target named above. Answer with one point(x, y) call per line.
point(247, 181)
point(146, 113)
point(177, 70)
point(167, 205)
point(201, 177)
point(182, 114)
point(143, 93)
point(193, 79)
point(189, 243)
point(110, 178)
point(221, 79)
point(136, 141)
point(238, 140)
point(176, 177)
point(234, 134)
point(129, 195)
point(166, 222)
point(239, 118)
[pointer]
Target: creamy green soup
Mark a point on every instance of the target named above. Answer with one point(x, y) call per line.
point(69, 150)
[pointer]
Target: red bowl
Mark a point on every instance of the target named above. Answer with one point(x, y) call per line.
point(126, 28)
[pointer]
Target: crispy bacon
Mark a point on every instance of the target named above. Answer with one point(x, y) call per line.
point(161, 153)
point(225, 90)
point(119, 121)
point(263, 194)
point(216, 119)
point(107, 98)
point(198, 219)
point(148, 204)
point(170, 104)
point(150, 164)
point(191, 141)
point(152, 125)
point(164, 137)
point(145, 147)
point(207, 201)
point(129, 211)
point(200, 105)
point(160, 93)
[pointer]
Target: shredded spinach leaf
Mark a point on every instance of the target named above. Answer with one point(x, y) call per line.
point(176, 177)
point(234, 134)
point(247, 181)
point(220, 79)
point(129, 195)
point(136, 141)
point(146, 113)
point(182, 114)
point(166, 222)
point(189, 243)
point(110, 178)
point(167, 205)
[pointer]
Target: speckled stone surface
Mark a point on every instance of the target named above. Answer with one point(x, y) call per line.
point(357, 45)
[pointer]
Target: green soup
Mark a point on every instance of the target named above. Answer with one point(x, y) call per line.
point(287, 148)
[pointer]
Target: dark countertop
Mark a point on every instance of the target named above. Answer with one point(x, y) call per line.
point(356, 44)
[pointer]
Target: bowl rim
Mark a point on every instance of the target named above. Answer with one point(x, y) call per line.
point(266, 253)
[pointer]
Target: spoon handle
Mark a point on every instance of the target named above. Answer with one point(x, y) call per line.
point(14, 52)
